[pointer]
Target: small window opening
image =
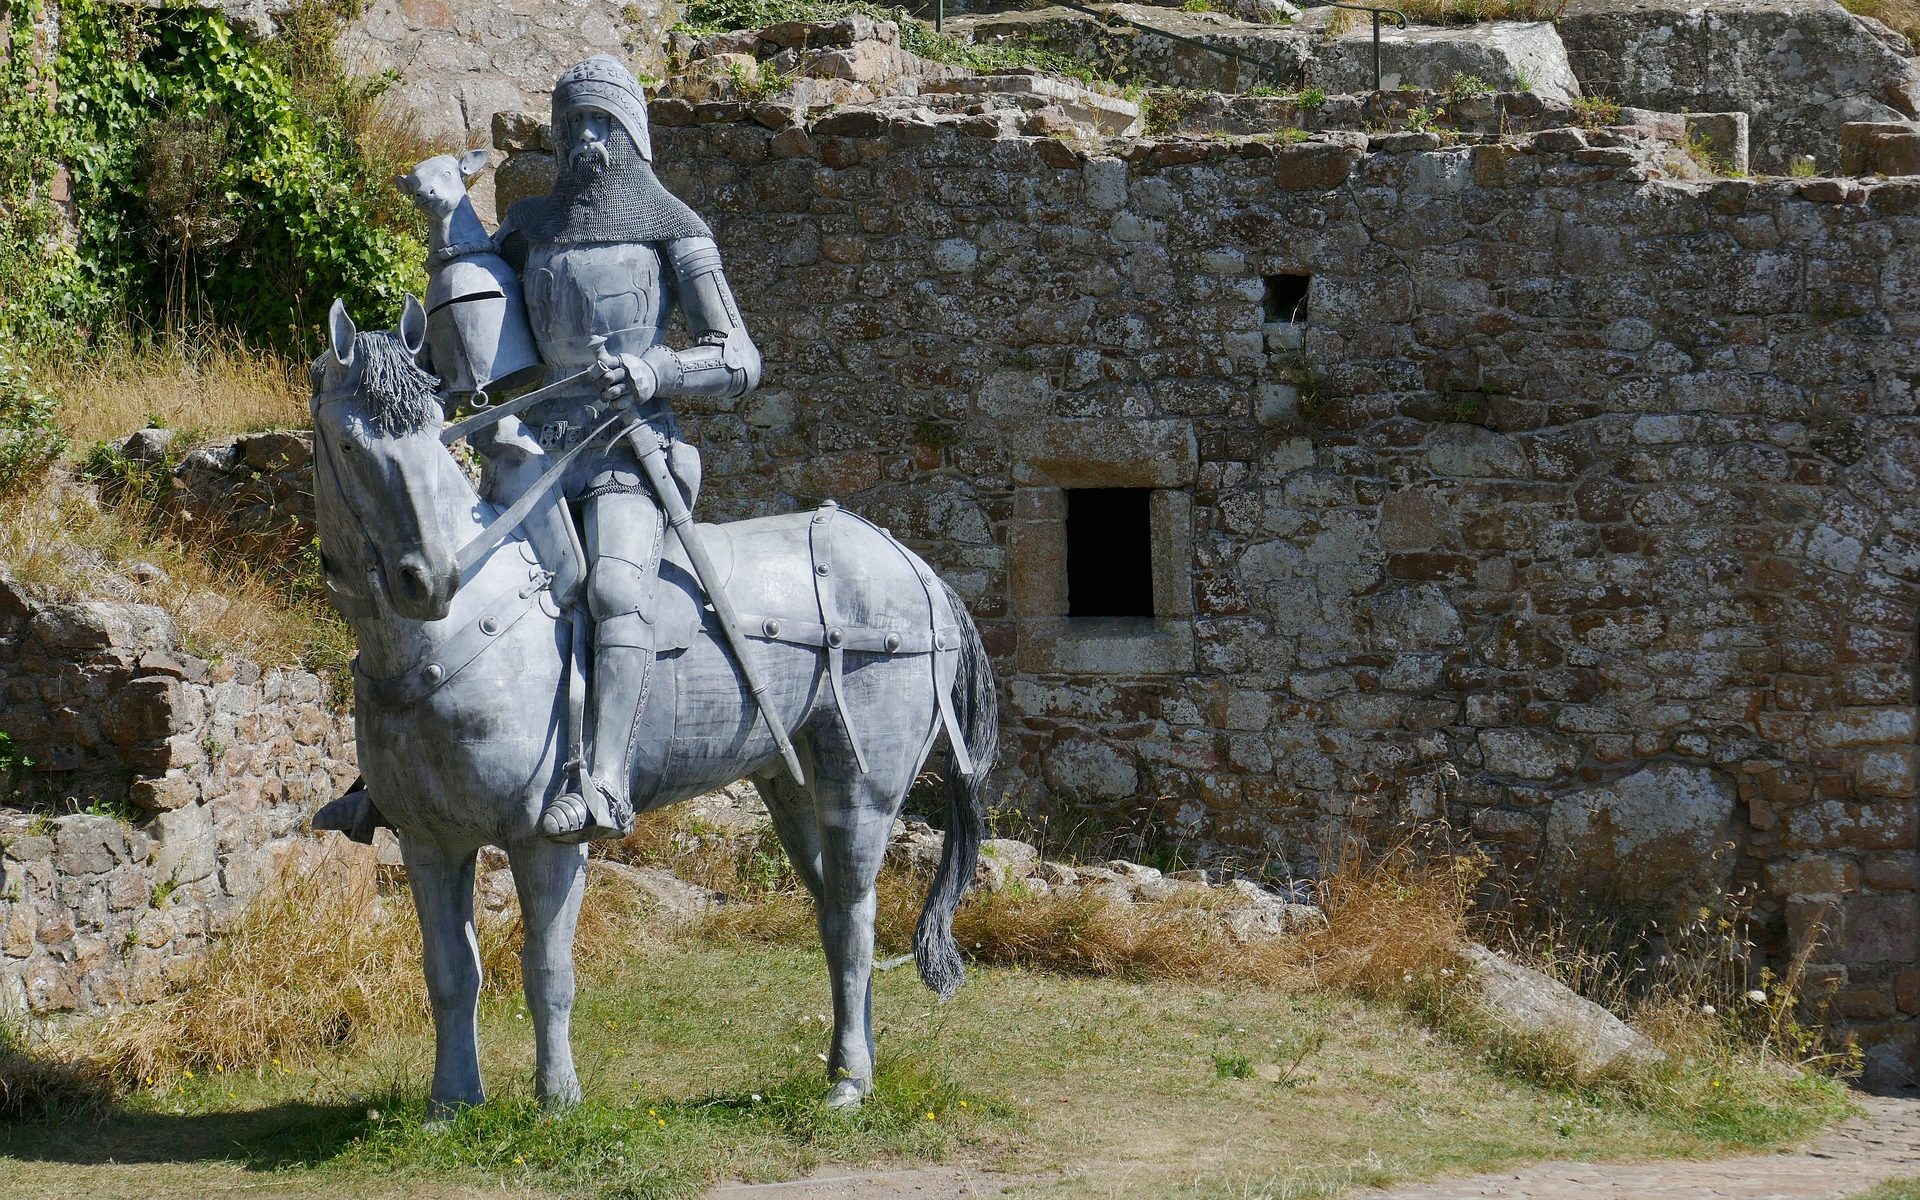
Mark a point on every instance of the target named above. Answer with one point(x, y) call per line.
point(1109, 552)
point(1286, 297)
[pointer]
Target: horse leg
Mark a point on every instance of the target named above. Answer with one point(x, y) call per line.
point(855, 820)
point(551, 879)
point(790, 809)
point(442, 887)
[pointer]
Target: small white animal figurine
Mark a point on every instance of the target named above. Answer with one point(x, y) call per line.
point(477, 332)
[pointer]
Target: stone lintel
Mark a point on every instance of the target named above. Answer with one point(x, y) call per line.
point(1098, 452)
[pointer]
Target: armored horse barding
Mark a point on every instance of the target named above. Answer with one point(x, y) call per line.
point(462, 708)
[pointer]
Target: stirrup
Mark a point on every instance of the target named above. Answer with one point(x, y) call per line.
point(591, 814)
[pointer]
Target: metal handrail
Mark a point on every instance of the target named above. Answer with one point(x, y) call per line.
point(1278, 70)
point(940, 14)
point(1377, 14)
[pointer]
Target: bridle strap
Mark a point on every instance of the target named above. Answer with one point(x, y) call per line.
point(347, 603)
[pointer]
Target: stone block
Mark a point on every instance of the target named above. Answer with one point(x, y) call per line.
point(99, 625)
point(1817, 873)
point(1892, 873)
point(1880, 148)
point(186, 845)
point(1725, 137)
point(1659, 835)
point(1880, 929)
point(1114, 646)
point(1862, 727)
point(1507, 55)
point(88, 845)
point(175, 789)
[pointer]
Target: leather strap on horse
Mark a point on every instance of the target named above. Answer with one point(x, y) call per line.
point(820, 543)
point(455, 430)
point(944, 640)
point(452, 656)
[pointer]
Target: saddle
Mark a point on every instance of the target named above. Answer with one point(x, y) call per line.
point(851, 566)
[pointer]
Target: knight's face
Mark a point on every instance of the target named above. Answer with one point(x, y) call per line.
point(588, 130)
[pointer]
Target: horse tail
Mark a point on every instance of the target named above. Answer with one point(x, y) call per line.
point(977, 709)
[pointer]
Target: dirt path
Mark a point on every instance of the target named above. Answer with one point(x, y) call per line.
point(1884, 1144)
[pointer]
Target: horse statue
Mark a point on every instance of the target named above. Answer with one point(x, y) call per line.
point(462, 695)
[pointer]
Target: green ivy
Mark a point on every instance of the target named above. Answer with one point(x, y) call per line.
point(205, 193)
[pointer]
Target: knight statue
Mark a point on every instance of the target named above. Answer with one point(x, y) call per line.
point(604, 259)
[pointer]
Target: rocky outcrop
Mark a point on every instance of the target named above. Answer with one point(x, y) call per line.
point(455, 65)
point(1519, 56)
point(1529, 1003)
point(252, 493)
point(1800, 69)
point(854, 60)
point(1246, 908)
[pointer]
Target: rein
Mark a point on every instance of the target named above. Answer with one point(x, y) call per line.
point(446, 659)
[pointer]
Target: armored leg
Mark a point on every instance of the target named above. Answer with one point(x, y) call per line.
point(624, 533)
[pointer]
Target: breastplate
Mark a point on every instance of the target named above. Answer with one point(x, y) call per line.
point(576, 293)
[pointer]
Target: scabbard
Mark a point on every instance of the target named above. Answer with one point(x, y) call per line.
point(651, 450)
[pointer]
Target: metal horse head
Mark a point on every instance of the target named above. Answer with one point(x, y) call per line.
point(378, 463)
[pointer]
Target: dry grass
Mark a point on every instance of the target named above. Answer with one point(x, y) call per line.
point(47, 1082)
point(1902, 15)
point(215, 383)
point(319, 959)
point(1390, 917)
point(324, 957)
point(62, 540)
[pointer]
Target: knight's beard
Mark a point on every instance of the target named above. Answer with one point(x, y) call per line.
point(593, 159)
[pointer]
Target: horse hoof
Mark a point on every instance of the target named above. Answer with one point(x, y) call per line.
point(845, 1094)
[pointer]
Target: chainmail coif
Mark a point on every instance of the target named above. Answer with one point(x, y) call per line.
point(626, 202)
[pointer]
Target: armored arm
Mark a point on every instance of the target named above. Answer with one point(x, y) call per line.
point(722, 360)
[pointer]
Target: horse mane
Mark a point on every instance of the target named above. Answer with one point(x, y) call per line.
point(401, 398)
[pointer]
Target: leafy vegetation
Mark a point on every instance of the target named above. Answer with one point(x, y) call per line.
point(214, 182)
point(1596, 112)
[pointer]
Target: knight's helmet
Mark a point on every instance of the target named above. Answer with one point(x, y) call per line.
point(603, 82)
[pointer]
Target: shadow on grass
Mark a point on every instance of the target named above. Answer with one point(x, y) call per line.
point(626, 1146)
point(292, 1134)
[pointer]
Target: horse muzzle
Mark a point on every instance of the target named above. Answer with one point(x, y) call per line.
point(420, 592)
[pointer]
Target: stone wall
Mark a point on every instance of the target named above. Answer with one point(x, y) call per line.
point(191, 778)
point(1576, 506)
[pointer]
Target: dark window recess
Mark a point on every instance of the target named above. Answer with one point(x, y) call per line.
point(1286, 297)
point(1109, 553)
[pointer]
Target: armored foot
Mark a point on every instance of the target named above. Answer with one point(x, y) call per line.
point(574, 817)
point(353, 814)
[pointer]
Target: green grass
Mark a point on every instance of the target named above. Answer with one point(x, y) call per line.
point(1893, 1189)
point(1180, 1091)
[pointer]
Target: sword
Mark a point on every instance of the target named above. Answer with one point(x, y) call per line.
point(651, 449)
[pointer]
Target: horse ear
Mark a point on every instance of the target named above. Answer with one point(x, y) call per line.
point(473, 162)
point(341, 331)
point(413, 325)
point(406, 185)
